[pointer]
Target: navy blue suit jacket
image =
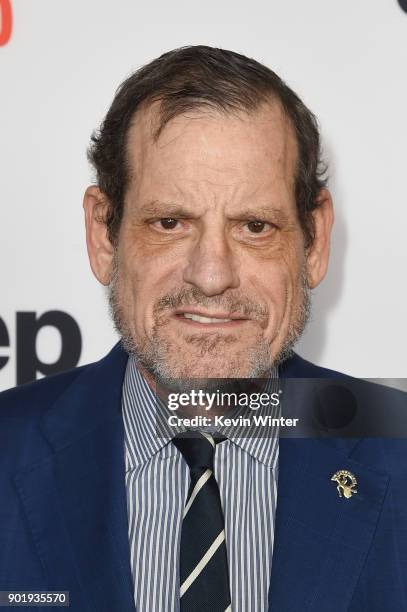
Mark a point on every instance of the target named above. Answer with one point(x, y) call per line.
point(63, 517)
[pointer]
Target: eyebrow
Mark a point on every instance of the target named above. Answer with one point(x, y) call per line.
point(155, 208)
point(264, 212)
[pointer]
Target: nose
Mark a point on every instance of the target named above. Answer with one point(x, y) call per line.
point(211, 266)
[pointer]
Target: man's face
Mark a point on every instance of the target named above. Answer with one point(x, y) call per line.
point(209, 275)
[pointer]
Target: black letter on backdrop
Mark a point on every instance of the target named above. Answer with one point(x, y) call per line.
point(4, 341)
point(28, 327)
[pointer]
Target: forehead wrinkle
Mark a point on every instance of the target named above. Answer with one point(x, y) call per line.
point(196, 189)
point(231, 195)
point(216, 184)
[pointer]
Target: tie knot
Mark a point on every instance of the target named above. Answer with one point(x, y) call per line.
point(197, 448)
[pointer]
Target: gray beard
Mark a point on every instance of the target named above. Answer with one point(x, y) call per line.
point(155, 355)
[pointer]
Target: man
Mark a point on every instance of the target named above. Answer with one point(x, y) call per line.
point(210, 223)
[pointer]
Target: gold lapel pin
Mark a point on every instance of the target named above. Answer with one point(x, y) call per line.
point(346, 483)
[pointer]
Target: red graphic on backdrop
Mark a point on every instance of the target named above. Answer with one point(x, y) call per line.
point(6, 21)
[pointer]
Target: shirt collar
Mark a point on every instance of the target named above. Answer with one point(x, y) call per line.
point(144, 414)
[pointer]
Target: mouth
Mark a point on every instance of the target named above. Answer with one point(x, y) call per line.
point(208, 319)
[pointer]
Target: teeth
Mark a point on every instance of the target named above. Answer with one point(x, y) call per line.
point(200, 319)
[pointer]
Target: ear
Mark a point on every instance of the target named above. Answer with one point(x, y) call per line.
point(100, 249)
point(318, 251)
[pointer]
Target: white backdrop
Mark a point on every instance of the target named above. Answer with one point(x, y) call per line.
point(58, 74)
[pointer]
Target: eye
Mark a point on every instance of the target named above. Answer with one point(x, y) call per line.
point(257, 227)
point(168, 223)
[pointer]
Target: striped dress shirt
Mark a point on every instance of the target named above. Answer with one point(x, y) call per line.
point(157, 482)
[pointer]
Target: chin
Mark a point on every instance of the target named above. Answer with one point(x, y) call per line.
point(222, 363)
point(214, 370)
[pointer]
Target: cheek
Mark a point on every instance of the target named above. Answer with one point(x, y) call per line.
point(278, 287)
point(143, 281)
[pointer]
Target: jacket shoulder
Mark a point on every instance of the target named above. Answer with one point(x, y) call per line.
point(298, 367)
point(21, 410)
point(24, 410)
point(33, 399)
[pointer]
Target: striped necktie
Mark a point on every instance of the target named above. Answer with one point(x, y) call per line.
point(204, 575)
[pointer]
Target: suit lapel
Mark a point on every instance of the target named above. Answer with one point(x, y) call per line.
point(75, 500)
point(321, 540)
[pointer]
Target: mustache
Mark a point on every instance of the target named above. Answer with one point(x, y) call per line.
point(234, 303)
